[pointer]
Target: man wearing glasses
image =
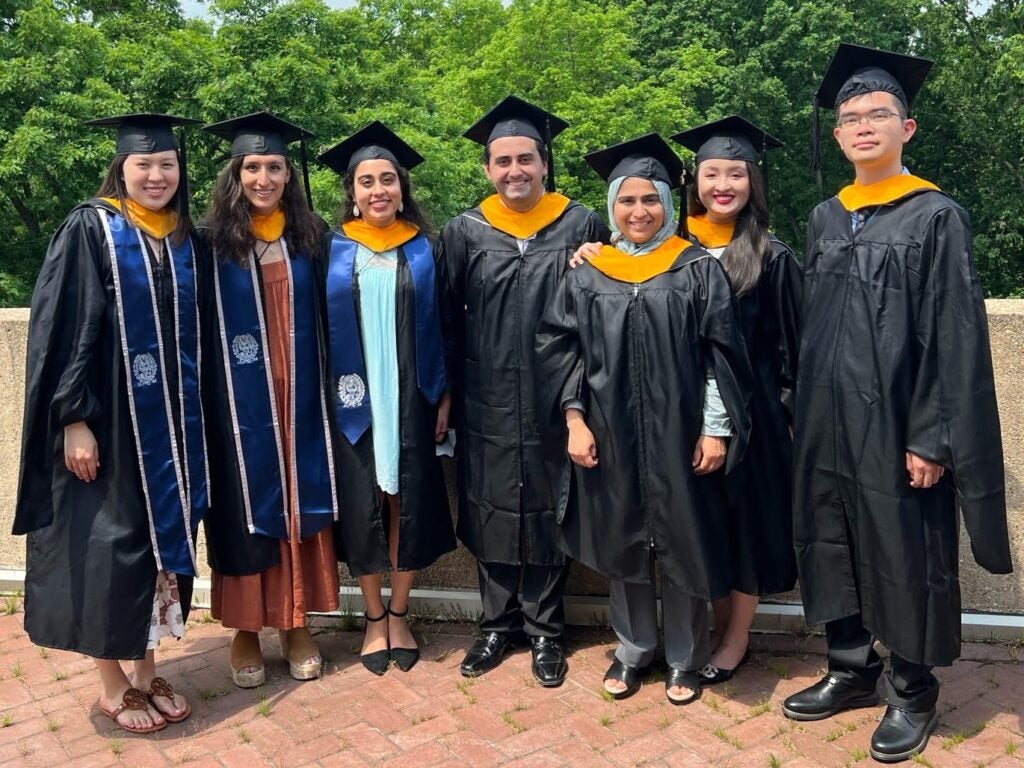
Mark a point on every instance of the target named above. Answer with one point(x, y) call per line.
point(896, 420)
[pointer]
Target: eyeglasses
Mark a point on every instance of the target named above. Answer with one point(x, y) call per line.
point(877, 117)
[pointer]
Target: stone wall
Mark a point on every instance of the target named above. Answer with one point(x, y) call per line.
point(981, 591)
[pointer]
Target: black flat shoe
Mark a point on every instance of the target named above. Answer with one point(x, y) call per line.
point(827, 697)
point(683, 679)
point(549, 666)
point(711, 675)
point(378, 661)
point(485, 655)
point(633, 677)
point(404, 658)
point(902, 734)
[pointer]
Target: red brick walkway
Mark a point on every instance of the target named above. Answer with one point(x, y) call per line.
point(433, 717)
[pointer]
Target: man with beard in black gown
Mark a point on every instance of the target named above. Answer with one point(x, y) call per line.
point(504, 259)
point(896, 420)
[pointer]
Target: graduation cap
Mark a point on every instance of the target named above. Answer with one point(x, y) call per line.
point(263, 133)
point(372, 142)
point(513, 116)
point(731, 138)
point(856, 70)
point(143, 133)
point(645, 157)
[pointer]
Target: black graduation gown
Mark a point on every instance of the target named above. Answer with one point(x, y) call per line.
point(760, 488)
point(231, 549)
point(91, 572)
point(495, 298)
point(636, 355)
point(425, 524)
point(895, 357)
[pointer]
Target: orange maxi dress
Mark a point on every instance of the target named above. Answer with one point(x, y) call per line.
point(307, 577)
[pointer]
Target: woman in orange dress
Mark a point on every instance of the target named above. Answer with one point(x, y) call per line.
point(269, 531)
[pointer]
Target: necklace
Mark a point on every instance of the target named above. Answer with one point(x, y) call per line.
point(262, 253)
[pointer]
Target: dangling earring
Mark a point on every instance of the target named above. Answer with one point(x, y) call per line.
point(401, 207)
point(355, 211)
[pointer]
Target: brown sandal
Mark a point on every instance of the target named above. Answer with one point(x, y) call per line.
point(160, 687)
point(133, 699)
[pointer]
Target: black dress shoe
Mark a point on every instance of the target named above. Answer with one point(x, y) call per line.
point(485, 655)
point(679, 678)
point(902, 734)
point(827, 697)
point(549, 664)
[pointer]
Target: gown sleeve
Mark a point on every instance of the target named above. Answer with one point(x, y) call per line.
point(786, 283)
point(451, 256)
point(67, 317)
point(953, 418)
point(726, 352)
point(559, 361)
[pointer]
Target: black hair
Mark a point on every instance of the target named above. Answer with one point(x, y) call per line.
point(410, 212)
point(113, 186)
point(744, 257)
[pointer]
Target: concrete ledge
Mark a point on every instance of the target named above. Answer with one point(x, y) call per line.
point(449, 586)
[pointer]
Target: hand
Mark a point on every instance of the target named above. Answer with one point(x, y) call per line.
point(582, 448)
point(923, 473)
point(81, 454)
point(444, 407)
point(587, 251)
point(709, 454)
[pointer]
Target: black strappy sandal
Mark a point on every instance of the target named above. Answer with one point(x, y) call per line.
point(631, 676)
point(404, 658)
point(683, 679)
point(378, 661)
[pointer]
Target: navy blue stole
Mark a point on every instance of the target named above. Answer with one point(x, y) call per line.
point(254, 416)
point(352, 402)
point(175, 479)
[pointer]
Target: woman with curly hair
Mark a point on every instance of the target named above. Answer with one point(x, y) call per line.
point(269, 535)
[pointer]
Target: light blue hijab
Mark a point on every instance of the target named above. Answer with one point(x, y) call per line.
point(668, 229)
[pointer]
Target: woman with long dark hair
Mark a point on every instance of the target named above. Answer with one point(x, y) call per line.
point(391, 399)
point(644, 383)
point(271, 445)
point(729, 218)
point(113, 477)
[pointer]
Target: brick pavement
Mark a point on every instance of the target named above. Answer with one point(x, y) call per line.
point(433, 717)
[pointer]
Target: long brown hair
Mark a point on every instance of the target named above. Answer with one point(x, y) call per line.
point(411, 210)
point(751, 245)
point(229, 216)
point(113, 186)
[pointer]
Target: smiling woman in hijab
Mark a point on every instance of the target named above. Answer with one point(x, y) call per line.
point(645, 380)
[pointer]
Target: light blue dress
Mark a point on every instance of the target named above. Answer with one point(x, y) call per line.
point(376, 275)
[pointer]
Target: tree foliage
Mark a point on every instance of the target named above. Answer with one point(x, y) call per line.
point(613, 68)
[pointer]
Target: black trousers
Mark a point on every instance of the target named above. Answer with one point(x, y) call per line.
point(522, 598)
point(852, 659)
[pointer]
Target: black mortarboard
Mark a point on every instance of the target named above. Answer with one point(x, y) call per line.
point(263, 133)
point(731, 138)
point(646, 157)
point(514, 117)
point(372, 142)
point(856, 70)
point(143, 133)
